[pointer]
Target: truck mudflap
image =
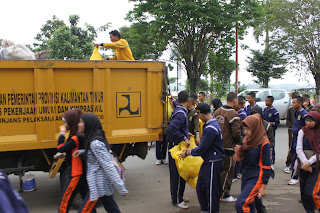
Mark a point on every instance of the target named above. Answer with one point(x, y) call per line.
point(130, 149)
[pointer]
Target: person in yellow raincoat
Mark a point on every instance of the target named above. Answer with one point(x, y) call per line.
point(212, 152)
point(121, 47)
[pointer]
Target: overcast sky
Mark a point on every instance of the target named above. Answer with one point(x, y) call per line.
point(22, 20)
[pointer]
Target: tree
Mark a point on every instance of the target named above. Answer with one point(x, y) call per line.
point(141, 40)
point(203, 85)
point(194, 27)
point(265, 65)
point(71, 42)
point(220, 69)
point(297, 32)
point(46, 34)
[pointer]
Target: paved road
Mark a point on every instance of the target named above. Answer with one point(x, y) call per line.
point(148, 185)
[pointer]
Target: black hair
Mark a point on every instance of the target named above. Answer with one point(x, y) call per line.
point(271, 98)
point(244, 124)
point(252, 94)
point(193, 98)
point(93, 130)
point(183, 97)
point(115, 33)
point(231, 96)
point(203, 93)
point(305, 97)
point(241, 100)
point(299, 99)
point(216, 103)
point(295, 94)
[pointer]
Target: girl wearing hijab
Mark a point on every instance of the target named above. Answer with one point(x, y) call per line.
point(216, 103)
point(102, 175)
point(77, 180)
point(255, 157)
point(308, 139)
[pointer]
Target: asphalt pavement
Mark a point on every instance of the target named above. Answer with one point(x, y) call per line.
point(149, 189)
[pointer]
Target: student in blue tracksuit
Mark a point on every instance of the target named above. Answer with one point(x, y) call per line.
point(271, 115)
point(178, 131)
point(11, 201)
point(252, 102)
point(212, 152)
point(298, 122)
point(308, 139)
point(255, 157)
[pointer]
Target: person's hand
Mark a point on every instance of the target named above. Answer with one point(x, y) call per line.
point(76, 154)
point(187, 142)
point(126, 194)
point(262, 191)
point(59, 155)
point(198, 139)
point(97, 45)
point(190, 134)
point(237, 148)
point(63, 128)
point(271, 123)
point(307, 167)
point(182, 155)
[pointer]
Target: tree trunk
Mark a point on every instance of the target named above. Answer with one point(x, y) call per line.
point(317, 80)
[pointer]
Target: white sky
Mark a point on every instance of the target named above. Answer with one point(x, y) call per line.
point(22, 20)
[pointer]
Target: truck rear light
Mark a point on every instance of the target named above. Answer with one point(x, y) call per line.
point(161, 136)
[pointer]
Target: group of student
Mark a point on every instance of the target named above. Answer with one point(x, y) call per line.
point(88, 160)
point(238, 141)
point(226, 138)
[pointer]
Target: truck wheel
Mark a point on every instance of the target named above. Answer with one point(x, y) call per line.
point(63, 180)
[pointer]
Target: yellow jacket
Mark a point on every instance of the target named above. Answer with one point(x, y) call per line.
point(121, 48)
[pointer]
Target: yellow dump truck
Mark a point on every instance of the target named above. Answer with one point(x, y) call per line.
point(127, 96)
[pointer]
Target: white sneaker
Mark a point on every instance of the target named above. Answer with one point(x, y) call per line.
point(182, 205)
point(234, 180)
point(293, 182)
point(229, 199)
point(158, 162)
point(287, 169)
point(186, 199)
point(272, 167)
point(239, 176)
point(164, 161)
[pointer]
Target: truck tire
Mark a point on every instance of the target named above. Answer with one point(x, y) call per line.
point(63, 180)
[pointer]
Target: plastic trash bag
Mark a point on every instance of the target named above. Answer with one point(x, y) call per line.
point(11, 51)
point(169, 108)
point(95, 55)
point(189, 167)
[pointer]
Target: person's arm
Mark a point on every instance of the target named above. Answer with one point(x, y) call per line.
point(235, 124)
point(270, 135)
point(266, 164)
point(206, 141)
point(289, 118)
point(175, 103)
point(276, 121)
point(174, 126)
point(300, 154)
point(102, 155)
point(116, 45)
point(67, 146)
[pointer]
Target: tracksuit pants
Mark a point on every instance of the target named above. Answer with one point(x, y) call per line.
point(246, 200)
point(226, 176)
point(177, 183)
point(288, 162)
point(237, 169)
point(209, 185)
point(274, 148)
point(73, 185)
point(294, 174)
point(108, 203)
point(161, 149)
point(309, 189)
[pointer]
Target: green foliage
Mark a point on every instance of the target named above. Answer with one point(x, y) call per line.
point(221, 68)
point(297, 33)
point(265, 65)
point(46, 33)
point(67, 42)
point(172, 80)
point(203, 85)
point(194, 28)
point(143, 45)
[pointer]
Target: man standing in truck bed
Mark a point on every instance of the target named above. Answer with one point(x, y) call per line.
point(121, 47)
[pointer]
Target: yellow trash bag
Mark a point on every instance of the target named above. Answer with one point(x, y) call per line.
point(201, 127)
point(169, 108)
point(95, 55)
point(189, 167)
